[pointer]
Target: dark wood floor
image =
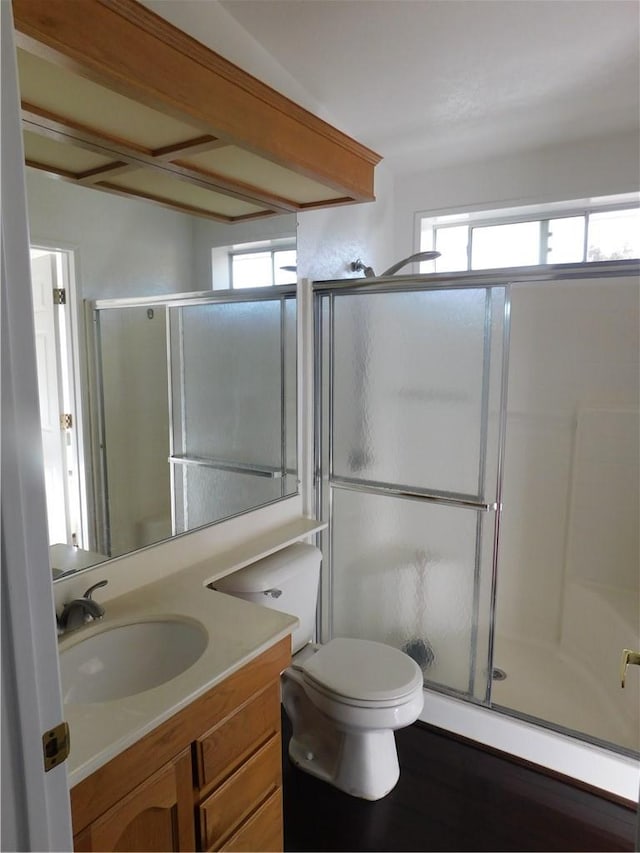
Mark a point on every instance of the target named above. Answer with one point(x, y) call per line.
point(452, 796)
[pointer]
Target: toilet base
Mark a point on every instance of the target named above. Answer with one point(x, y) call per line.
point(362, 763)
point(366, 766)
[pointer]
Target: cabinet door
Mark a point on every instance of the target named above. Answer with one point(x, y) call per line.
point(155, 816)
point(263, 830)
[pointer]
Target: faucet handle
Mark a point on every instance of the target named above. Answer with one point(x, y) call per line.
point(91, 589)
point(629, 656)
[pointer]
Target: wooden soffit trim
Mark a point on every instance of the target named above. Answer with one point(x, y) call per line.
point(125, 47)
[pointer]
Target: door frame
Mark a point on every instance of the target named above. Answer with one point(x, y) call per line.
point(36, 812)
point(70, 363)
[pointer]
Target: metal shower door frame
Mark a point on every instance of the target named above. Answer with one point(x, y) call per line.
point(178, 455)
point(93, 309)
point(326, 482)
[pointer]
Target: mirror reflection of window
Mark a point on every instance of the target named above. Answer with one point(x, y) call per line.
point(262, 268)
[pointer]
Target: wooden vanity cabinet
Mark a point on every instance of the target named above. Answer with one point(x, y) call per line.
point(156, 815)
point(209, 778)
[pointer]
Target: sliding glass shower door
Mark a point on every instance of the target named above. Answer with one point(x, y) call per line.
point(410, 391)
point(233, 415)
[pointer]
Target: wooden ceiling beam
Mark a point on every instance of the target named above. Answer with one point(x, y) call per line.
point(60, 129)
point(123, 45)
point(93, 176)
point(113, 189)
point(191, 146)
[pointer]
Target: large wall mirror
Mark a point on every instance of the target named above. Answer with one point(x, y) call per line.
point(168, 397)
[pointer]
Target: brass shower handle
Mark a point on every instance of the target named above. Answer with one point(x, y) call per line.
point(628, 657)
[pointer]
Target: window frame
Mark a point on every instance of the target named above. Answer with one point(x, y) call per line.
point(541, 213)
point(252, 249)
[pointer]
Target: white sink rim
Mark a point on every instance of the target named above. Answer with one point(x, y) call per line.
point(103, 667)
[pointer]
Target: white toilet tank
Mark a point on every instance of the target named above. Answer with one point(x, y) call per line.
point(287, 581)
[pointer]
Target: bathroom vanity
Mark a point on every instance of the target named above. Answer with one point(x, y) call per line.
point(182, 760)
point(209, 778)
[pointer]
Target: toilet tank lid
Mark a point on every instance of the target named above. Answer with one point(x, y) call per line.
point(271, 571)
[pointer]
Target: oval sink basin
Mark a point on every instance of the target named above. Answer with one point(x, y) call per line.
point(129, 659)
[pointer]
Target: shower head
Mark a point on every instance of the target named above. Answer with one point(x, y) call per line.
point(359, 266)
point(418, 256)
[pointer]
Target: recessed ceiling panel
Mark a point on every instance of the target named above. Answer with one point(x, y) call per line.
point(158, 185)
point(240, 165)
point(61, 156)
point(69, 96)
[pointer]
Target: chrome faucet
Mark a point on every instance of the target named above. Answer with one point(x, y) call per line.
point(78, 612)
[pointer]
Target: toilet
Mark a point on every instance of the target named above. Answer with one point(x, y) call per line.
point(344, 698)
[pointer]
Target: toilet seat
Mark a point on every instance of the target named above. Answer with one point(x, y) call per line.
point(363, 673)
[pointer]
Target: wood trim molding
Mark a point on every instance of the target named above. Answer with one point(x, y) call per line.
point(128, 48)
point(57, 128)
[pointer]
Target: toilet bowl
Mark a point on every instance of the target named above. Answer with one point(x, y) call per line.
point(344, 704)
point(345, 698)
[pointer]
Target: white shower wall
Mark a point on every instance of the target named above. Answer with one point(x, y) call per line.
point(574, 363)
point(568, 585)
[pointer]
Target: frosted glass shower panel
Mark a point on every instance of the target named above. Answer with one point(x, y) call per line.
point(404, 573)
point(233, 401)
point(135, 505)
point(231, 381)
point(409, 388)
point(207, 494)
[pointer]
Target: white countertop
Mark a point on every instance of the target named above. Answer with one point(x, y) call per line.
point(238, 632)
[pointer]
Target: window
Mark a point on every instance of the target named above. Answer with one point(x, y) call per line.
point(262, 267)
point(562, 233)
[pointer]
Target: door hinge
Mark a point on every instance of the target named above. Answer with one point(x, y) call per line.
point(55, 746)
point(59, 296)
point(66, 421)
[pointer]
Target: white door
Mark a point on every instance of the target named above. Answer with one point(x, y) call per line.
point(43, 282)
point(35, 803)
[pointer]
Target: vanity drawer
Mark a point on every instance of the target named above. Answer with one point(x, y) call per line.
point(263, 830)
point(240, 795)
point(225, 747)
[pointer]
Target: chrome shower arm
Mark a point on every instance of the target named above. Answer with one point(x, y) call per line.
point(359, 266)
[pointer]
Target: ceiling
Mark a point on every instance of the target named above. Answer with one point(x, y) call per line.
point(428, 83)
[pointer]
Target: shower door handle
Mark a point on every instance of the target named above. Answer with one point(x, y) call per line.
point(628, 657)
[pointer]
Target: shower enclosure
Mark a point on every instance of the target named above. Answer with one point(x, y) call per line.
point(196, 411)
point(477, 458)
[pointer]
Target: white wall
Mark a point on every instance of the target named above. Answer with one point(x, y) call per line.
point(583, 169)
point(124, 247)
point(328, 240)
point(569, 550)
point(573, 376)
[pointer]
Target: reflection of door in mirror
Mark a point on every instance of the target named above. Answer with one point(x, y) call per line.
point(59, 416)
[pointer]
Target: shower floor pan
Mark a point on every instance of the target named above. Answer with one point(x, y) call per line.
point(543, 683)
